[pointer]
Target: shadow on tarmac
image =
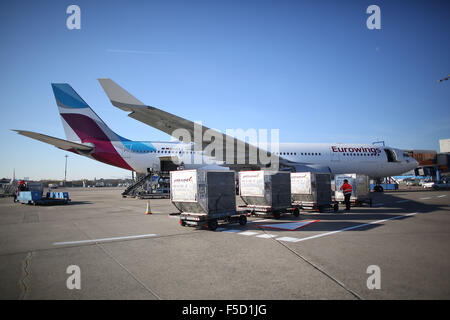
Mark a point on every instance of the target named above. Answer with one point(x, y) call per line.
point(345, 219)
point(79, 202)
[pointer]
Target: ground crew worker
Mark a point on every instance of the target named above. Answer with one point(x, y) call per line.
point(347, 190)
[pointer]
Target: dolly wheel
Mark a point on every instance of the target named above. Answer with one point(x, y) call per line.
point(336, 207)
point(276, 214)
point(242, 220)
point(296, 213)
point(212, 224)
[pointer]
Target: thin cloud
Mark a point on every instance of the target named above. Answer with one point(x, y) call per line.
point(136, 51)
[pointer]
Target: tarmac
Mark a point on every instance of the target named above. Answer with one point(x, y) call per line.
point(123, 253)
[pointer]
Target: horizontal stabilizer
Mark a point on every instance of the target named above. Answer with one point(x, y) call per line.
point(59, 143)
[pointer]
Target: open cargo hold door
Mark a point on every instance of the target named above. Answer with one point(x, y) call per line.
point(168, 164)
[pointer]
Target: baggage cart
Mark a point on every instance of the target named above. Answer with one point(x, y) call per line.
point(205, 197)
point(360, 189)
point(311, 191)
point(265, 193)
point(36, 198)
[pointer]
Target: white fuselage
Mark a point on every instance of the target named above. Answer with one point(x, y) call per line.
point(367, 159)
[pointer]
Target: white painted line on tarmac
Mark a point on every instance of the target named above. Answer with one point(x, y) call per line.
point(248, 233)
point(402, 201)
point(426, 198)
point(232, 230)
point(263, 220)
point(290, 239)
point(354, 227)
point(142, 236)
point(444, 195)
point(266, 236)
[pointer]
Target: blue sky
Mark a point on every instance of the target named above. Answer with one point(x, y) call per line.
point(309, 68)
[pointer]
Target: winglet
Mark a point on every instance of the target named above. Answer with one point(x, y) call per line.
point(119, 97)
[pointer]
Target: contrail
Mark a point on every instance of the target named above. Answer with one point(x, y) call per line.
point(136, 51)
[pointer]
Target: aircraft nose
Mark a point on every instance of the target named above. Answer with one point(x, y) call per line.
point(414, 163)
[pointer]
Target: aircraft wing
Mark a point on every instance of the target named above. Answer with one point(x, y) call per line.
point(59, 143)
point(168, 123)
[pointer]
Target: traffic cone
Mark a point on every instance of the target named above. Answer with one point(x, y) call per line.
point(148, 211)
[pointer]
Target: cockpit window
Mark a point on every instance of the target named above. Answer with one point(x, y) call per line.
point(405, 155)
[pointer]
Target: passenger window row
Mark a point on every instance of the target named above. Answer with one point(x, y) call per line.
point(362, 154)
point(300, 153)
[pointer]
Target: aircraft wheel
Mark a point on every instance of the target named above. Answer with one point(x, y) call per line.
point(212, 224)
point(242, 220)
point(296, 213)
point(336, 207)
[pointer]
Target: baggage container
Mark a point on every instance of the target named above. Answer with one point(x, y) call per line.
point(204, 197)
point(264, 192)
point(311, 191)
point(360, 188)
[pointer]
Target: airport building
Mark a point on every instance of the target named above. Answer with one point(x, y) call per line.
point(444, 145)
point(431, 162)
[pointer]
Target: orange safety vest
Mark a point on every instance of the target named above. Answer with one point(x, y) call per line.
point(346, 188)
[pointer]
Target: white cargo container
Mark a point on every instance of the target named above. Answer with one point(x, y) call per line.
point(360, 188)
point(204, 197)
point(264, 192)
point(312, 191)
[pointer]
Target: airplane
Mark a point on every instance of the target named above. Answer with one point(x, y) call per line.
point(87, 135)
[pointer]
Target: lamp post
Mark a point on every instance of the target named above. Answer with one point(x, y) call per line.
point(65, 171)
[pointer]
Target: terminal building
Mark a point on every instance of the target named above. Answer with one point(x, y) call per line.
point(432, 163)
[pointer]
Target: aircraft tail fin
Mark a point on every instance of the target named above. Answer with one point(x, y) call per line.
point(80, 122)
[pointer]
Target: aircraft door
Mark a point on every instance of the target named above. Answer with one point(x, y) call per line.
point(391, 155)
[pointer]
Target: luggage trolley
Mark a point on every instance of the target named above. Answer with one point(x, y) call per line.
point(360, 189)
point(265, 193)
point(311, 191)
point(205, 197)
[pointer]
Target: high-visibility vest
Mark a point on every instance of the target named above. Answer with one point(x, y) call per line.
point(346, 188)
